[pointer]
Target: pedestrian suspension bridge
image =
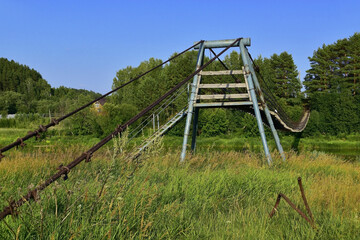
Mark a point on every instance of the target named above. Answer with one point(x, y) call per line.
point(239, 89)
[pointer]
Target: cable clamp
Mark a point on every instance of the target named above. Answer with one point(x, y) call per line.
point(54, 121)
point(42, 128)
point(62, 168)
point(22, 144)
point(35, 195)
point(88, 156)
point(119, 128)
point(13, 208)
point(38, 136)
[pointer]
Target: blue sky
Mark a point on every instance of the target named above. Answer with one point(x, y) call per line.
point(82, 44)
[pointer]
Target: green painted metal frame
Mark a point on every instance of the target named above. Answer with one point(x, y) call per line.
point(192, 100)
point(253, 84)
point(265, 107)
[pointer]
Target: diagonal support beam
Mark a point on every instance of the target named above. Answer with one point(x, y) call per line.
point(265, 107)
point(249, 78)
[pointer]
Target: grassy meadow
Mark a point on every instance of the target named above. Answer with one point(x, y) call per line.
point(213, 195)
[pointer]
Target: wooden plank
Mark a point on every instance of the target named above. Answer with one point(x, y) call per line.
point(222, 104)
point(247, 84)
point(223, 85)
point(218, 73)
point(223, 96)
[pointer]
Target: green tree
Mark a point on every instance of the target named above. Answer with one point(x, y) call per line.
point(335, 68)
point(281, 75)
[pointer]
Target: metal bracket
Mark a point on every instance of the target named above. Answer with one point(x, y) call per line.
point(88, 156)
point(54, 121)
point(22, 144)
point(62, 168)
point(42, 128)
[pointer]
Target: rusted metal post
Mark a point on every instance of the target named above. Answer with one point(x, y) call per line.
point(273, 211)
point(291, 205)
point(311, 220)
point(305, 200)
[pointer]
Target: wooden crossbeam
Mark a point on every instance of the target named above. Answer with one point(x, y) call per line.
point(223, 96)
point(217, 73)
point(223, 85)
point(222, 104)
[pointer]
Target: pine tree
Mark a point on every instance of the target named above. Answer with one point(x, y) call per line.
point(335, 68)
point(281, 76)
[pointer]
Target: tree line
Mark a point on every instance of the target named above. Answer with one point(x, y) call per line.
point(23, 90)
point(332, 85)
point(331, 91)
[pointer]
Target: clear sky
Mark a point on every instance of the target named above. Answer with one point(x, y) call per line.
point(82, 44)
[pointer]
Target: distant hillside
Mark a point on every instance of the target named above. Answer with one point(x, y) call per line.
point(23, 90)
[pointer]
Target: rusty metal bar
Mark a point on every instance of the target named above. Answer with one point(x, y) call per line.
point(276, 206)
point(291, 205)
point(311, 220)
point(295, 208)
point(305, 200)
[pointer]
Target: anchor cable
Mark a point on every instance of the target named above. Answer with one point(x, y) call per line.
point(54, 122)
point(64, 170)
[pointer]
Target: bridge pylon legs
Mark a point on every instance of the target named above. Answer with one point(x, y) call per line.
point(253, 91)
point(264, 106)
point(192, 100)
point(195, 128)
point(255, 102)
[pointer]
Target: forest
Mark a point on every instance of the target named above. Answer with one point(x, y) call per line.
point(23, 90)
point(331, 90)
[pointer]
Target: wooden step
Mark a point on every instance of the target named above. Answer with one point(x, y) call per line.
point(222, 104)
point(218, 73)
point(223, 85)
point(222, 96)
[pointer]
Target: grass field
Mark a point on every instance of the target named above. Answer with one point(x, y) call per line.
point(347, 145)
point(213, 195)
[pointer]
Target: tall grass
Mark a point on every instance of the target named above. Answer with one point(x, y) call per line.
point(213, 195)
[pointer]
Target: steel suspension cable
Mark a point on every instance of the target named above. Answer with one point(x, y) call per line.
point(224, 65)
point(257, 69)
point(271, 97)
point(20, 141)
point(271, 100)
point(157, 111)
point(64, 170)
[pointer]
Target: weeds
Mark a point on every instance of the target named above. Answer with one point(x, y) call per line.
point(214, 195)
